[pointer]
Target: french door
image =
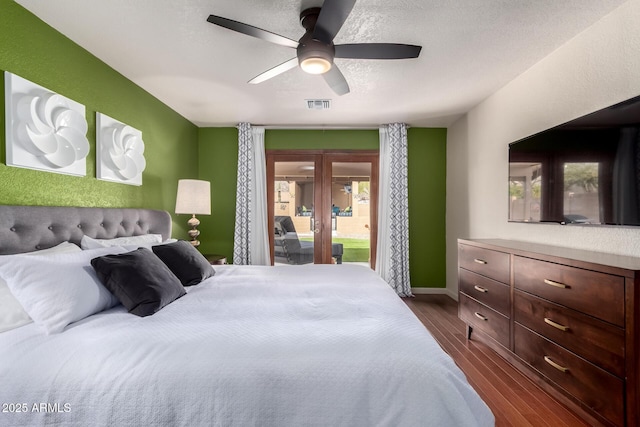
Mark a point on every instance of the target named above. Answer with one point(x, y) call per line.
point(322, 206)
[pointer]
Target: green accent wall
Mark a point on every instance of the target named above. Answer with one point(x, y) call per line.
point(35, 51)
point(218, 162)
point(427, 189)
point(427, 161)
point(321, 139)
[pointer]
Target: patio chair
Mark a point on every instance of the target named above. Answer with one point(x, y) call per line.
point(289, 249)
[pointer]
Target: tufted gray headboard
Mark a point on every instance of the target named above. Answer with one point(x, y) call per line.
point(30, 228)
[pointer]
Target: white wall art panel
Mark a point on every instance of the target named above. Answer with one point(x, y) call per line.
point(120, 151)
point(44, 130)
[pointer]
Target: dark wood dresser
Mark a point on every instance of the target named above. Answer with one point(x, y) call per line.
point(569, 319)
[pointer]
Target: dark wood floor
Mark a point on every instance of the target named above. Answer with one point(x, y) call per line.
point(514, 399)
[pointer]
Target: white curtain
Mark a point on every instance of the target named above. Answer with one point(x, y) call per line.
point(251, 241)
point(392, 261)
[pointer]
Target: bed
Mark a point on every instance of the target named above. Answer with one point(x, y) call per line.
point(248, 346)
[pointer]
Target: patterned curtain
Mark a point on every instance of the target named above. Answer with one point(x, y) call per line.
point(251, 242)
point(392, 262)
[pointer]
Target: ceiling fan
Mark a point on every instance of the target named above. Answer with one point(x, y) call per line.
point(315, 49)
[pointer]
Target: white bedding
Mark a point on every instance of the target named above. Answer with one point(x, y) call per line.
point(252, 346)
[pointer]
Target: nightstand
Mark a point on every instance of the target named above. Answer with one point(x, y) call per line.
point(215, 259)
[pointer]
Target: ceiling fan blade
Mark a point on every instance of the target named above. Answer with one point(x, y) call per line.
point(335, 79)
point(332, 16)
point(377, 51)
point(278, 69)
point(250, 30)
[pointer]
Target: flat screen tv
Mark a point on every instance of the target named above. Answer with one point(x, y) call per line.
point(586, 171)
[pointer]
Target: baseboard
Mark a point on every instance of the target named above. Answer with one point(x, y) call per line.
point(435, 291)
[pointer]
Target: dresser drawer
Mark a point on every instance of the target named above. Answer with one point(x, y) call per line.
point(485, 319)
point(487, 291)
point(596, 388)
point(492, 264)
point(598, 294)
point(595, 340)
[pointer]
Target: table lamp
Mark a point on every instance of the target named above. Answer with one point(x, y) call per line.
point(194, 197)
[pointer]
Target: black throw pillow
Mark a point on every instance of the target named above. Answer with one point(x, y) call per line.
point(139, 279)
point(185, 261)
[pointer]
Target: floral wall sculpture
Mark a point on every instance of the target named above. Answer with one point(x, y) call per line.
point(120, 151)
point(44, 130)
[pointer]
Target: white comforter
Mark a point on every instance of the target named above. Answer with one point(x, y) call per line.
point(252, 346)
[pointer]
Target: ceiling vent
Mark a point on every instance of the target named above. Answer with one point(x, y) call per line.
point(318, 104)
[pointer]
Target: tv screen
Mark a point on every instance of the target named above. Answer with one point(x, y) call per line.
point(586, 171)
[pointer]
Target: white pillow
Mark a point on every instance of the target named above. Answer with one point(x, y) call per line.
point(62, 248)
point(12, 315)
point(142, 240)
point(58, 289)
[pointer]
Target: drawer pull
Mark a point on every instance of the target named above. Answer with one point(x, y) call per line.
point(555, 365)
point(479, 261)
point(480, 289)
point(556, 325)
point(480, 316)
point(556, 284)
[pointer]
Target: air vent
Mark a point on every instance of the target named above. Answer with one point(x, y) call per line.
point(318, 104)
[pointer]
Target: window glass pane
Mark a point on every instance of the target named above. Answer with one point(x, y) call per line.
point(351, 212)
point(293, 213)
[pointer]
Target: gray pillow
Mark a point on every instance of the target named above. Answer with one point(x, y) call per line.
point(185, 261)
point(139, 279)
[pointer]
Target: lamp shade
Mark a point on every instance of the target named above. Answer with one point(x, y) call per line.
point(194, 197)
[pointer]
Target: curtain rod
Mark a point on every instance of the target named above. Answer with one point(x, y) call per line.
point(317, 127)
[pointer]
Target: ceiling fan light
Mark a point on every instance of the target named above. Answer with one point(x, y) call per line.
point(315, 65)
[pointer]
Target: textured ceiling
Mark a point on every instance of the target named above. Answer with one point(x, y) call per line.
point(471, 48)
